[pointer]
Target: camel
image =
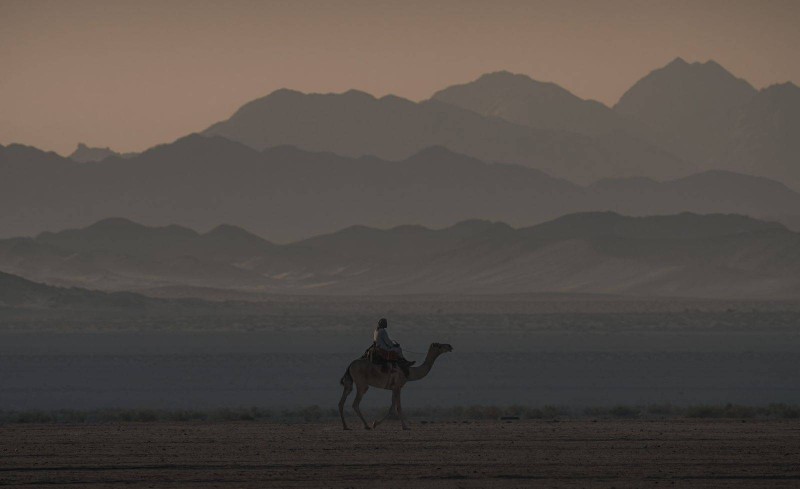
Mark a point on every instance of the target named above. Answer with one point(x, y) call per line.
point(364, 374)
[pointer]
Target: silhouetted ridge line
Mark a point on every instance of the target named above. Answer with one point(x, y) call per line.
point(356, 124)
point(522, 100)
point(201, 181)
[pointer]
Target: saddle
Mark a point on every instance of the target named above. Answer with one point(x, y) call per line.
point(386, 359)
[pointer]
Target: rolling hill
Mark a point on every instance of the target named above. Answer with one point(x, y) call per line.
point(686, 255)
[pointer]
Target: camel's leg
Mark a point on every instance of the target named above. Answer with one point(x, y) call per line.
point(400, 410)
point(388, 413)
point(348, 387)
point(357, 401)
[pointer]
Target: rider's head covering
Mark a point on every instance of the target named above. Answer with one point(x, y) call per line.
point(383, 323)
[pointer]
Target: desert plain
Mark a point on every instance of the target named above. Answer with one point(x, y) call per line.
point(529, 453)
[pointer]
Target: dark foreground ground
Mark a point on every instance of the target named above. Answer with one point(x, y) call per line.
point(572, 453)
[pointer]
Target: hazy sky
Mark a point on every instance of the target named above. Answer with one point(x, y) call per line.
point(136, 73)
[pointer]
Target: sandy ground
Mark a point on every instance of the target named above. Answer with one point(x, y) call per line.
point(586, 453)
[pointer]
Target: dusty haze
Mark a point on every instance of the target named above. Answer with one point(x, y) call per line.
point(132, 74)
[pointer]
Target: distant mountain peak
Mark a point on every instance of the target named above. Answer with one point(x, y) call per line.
point(229, 231)
point(505, 80)
point(504, 75)
point(523, 100)
point(86, 154)
point(288, 93)
point(686, 108)
point(713, 64)
point(279, 96)
point(116, 223)
point(354, 93)
point(680, 64)
point(501, 74)
point(707, 72)
point(116, 232)
point(678, 61)
point(284, 92)
point(395, 100)
point(472, 223)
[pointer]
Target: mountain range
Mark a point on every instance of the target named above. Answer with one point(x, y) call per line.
point(287, 194)
point(678, 119)
point(682, 255)
point(357, 124)
point(702, 165)
point(698, 112)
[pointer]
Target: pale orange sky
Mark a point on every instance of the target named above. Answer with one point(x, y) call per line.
point(133, 74)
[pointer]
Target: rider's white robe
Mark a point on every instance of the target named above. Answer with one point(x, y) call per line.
point(382, 341)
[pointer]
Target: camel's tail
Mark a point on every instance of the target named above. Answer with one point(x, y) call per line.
point(346, 377)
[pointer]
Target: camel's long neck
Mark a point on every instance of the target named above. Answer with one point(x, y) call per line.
point(417, 373)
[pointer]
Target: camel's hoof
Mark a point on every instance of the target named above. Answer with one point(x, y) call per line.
point(366, 427)
point(374, 424)
point(346, 428)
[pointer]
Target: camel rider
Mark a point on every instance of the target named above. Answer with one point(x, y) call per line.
point(387, 348)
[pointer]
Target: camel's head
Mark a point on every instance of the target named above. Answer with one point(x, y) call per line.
point(441, 348)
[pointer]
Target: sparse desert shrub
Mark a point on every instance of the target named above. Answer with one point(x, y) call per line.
point(665, 409)
point(726, 411)
point(514, 410)
point(185, 415)
point(737, 411)
point(618, 411)
point(532, 413)
point(71, 416)
point(595, 411)
point(492, 412)
point(482, 412)
point(228, 414)
point(261, 413)
point(33, 417)
point(311, 413)
point(784, 411)
point(145, 415)
point(621, 411)
point(456, 412)
point(704, 411)
point(553, 412)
